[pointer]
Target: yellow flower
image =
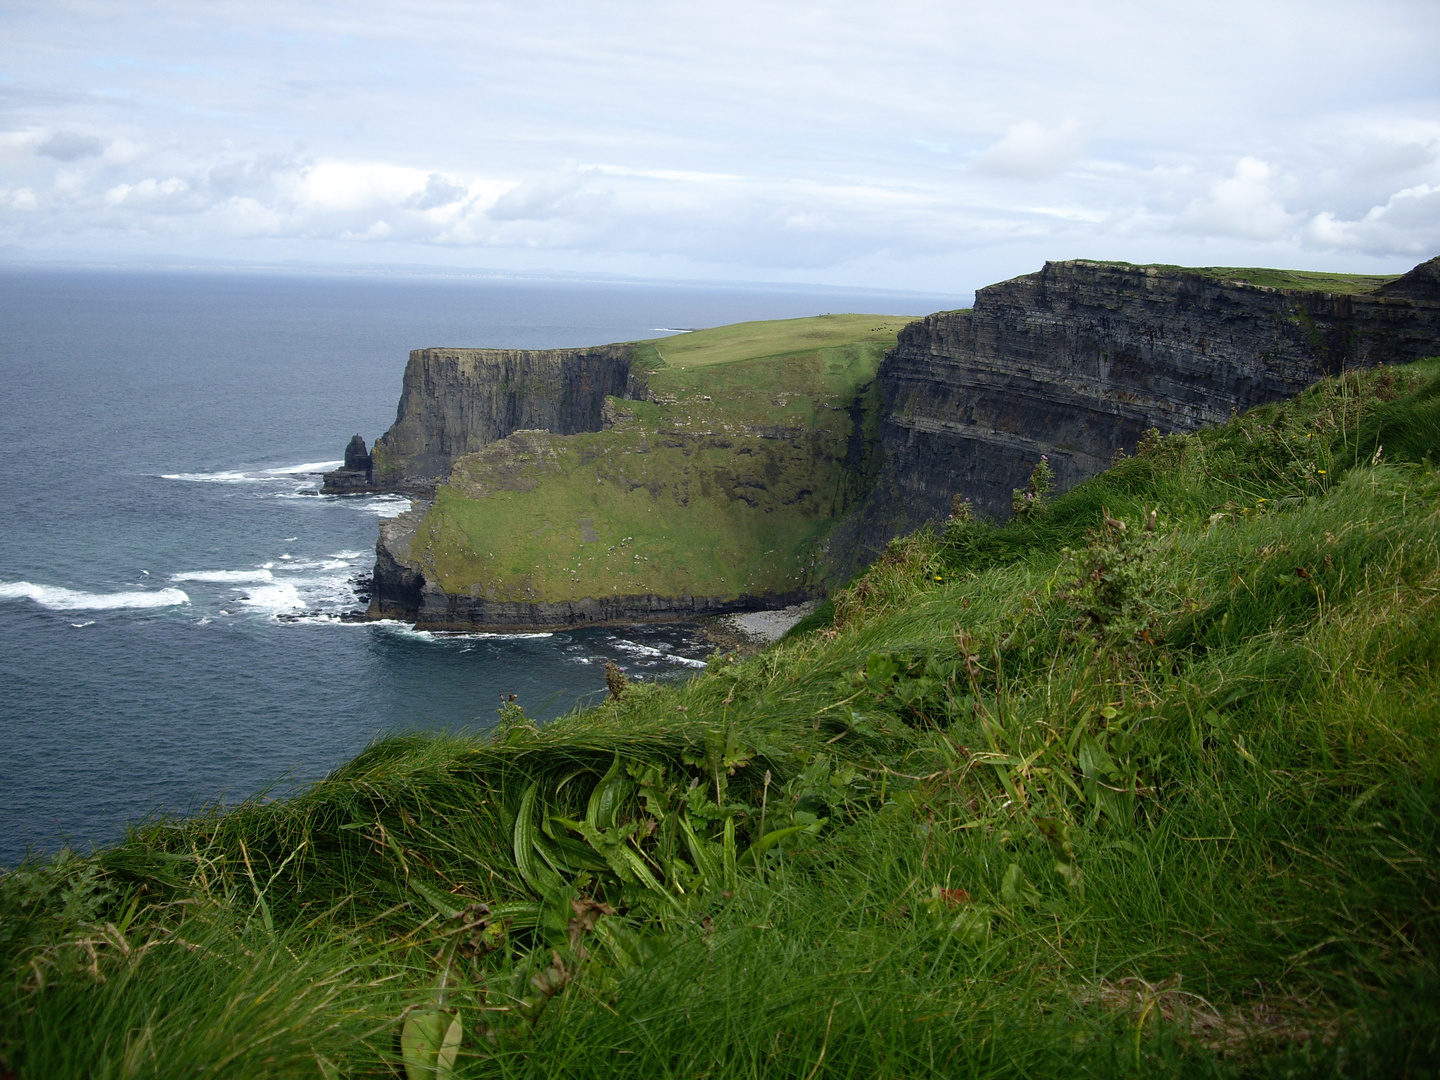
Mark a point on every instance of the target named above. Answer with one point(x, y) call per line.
point(1321, 471)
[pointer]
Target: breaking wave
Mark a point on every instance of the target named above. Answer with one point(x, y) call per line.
point(224, 576)
point(57, 598)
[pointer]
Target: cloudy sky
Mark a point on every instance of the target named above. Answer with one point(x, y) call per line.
point(904, 144)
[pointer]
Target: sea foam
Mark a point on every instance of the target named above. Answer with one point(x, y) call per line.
point(308, 467)
point(214, 478)
point(274, 598)
point(298, 565)
point(636, 649)
point(60, 599)
point(224, 576)
point(256, 476)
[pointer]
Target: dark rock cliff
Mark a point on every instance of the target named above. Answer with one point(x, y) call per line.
point(455, 401)
point(1080, 359)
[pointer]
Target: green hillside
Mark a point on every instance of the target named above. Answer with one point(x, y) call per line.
point(1144, 783)
point(724, 484)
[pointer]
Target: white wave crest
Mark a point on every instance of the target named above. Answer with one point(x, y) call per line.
point(284, 597)
point(657, 654)
point(385, 506)
point(407, 630)
point(225, 576)
point(308, 467)
point(59, 599)
point(306, 564)
point(291, 473)
point(214, 478)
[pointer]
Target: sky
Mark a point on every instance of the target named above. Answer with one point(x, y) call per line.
point(908, 145)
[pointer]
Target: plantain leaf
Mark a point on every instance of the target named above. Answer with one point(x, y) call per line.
point(770, 839)
point(445, 903)
point(536, 873)
point(699, 852)
point(421, 1037)
point(1011, 884)
point(524, 913)
point(449, 1050)
point(608, 796)
point(567, 854)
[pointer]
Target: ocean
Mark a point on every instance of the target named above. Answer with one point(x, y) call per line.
point(171, 582)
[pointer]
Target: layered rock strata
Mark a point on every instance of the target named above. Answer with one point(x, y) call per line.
point(455, 401)
point(1079, 360)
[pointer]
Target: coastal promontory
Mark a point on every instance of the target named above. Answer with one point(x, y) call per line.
point(761, 464)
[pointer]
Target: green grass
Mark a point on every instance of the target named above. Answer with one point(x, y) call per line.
point(1052, 798)
point(778, 337)
point(1303, 280)
point(724, 485)
point(1306, 280)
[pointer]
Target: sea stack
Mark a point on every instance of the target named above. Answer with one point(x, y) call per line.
point(354, 477)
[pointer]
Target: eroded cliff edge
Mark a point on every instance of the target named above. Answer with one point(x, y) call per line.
point(456, 401)
point(1078, 360)
point(667, 479)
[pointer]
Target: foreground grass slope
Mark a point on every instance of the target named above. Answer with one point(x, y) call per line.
point(1142, 783)
point(728, 480)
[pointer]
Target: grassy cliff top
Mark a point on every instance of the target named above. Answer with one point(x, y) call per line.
point(724, 484)
point(1304, 280)
point(778, 337)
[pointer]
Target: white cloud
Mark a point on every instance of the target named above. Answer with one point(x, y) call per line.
point(150, 192)
point(1243, 205)
point(1031, 151)
point(347, 185)
point(1407, 224)
point(71, 146)
point(849, 139)
point(544, 198)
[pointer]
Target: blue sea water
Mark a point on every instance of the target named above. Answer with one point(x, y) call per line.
point(169, 579)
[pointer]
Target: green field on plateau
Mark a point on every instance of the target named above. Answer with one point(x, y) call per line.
point(724, 483)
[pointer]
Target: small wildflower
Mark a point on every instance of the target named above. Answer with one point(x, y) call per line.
point(1321, 471)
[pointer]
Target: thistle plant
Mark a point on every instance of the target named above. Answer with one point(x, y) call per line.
point(1030, 501)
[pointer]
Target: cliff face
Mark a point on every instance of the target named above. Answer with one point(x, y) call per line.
point(681, 507)
point(455, 401)
point(1080, 359)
